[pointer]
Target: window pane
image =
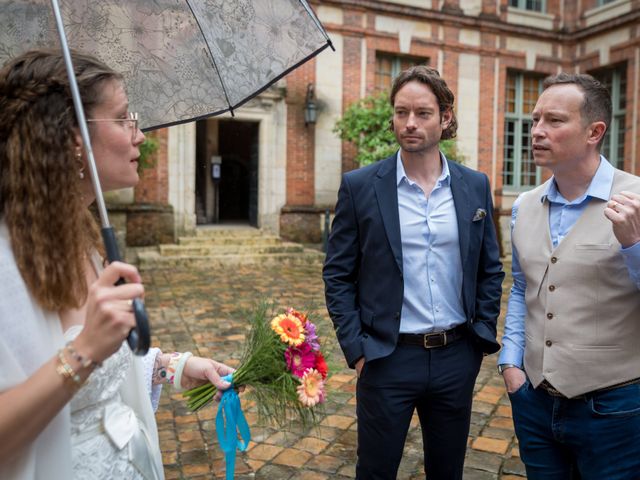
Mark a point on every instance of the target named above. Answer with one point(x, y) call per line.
point(527, 166)
point(620, 150)
point(615, 79)
point(621, 104)
point(519, 169)
point(509, 150)
point(511, 93)
point(535, 5)
point(531, 91)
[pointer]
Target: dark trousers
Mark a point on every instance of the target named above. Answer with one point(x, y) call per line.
point(439, 384)
point(592, 438)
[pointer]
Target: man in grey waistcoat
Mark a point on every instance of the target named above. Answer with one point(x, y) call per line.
point(571, 348)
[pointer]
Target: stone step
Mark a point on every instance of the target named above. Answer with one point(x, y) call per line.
point(230, 240)
point(148, 260)
point(237, 248)
point(228, 231)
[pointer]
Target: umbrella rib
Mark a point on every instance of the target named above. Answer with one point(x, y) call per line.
point(315, 19)
point(213, 61)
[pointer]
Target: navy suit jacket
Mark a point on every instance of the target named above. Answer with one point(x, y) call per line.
point(363, 267)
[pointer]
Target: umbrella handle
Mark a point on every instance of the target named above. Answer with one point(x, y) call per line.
point(139, 338)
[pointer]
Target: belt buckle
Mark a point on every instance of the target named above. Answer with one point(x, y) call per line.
point(438, 334)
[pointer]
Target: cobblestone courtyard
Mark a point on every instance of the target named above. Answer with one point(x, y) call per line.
point(201, 310)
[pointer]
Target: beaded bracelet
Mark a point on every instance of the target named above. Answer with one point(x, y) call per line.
point(67, 372)
point(84, 362)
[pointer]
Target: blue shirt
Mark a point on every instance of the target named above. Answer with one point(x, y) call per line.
point(562, 216)
point(431, 263)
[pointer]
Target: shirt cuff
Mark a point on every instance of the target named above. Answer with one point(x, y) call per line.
point(154, 391)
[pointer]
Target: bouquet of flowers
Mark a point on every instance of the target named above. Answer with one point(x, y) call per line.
point(281, 364)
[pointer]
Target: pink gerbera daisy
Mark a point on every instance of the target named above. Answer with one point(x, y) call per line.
point(299, 359)
point(311, 390)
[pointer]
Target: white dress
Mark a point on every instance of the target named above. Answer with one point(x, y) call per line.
point(111, 433)
point(108, 440)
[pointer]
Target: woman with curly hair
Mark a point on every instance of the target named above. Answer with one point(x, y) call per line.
point(74, 401)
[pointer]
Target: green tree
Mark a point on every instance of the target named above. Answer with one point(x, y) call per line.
point(367, 124)
point(147, 149)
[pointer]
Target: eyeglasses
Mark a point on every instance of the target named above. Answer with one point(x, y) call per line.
point(130, 123)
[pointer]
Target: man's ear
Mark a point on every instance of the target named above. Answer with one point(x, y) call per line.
point(595, 132)
point(391, 124)
point(445, 119)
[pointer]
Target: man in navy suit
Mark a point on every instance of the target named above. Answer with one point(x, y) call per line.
point(413, 283)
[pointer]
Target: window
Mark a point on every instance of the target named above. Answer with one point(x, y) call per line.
point(535, 5)
point(604, 2)
point(389, 66)
point(519, 172)
point(615, 79)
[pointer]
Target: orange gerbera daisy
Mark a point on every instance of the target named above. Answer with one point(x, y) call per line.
point(301, 316)
point(311, 390)
point(289, 328)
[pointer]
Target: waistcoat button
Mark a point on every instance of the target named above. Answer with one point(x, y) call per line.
point(548, 343)
point(549, 316)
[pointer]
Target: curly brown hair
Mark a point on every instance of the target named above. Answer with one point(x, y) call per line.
point(52, 232)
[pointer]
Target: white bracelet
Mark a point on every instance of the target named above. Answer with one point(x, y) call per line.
point(177, 379)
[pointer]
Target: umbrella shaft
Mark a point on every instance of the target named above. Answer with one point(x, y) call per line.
point(82, 123)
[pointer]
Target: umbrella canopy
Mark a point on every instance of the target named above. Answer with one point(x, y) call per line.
point(182, 60)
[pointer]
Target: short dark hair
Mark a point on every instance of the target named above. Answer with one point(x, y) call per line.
point(430, 77)
point(596, 105)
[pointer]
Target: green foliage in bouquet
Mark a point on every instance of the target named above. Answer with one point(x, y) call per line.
point(264, 369)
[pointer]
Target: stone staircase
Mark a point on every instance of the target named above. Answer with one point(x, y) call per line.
point(215, 246)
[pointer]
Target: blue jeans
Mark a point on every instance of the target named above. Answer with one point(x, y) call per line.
point(591, 438)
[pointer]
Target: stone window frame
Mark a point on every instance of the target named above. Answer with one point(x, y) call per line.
point(519, 172)
point(615, 79)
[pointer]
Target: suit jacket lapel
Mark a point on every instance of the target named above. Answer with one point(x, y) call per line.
point(386, 188)
point(464, 213)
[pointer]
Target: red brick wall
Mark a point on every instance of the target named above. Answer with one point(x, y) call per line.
point(300, 138)
point(154, 182)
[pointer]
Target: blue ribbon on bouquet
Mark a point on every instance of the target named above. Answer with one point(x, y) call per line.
point(229, 422)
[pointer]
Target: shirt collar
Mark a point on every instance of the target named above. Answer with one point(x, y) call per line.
point(600, 186)
point(443, 179)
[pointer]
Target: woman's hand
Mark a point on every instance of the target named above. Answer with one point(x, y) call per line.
point(198, 371)
point(109, 317)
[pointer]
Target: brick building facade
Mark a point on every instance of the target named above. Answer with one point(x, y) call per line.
point(282, 174)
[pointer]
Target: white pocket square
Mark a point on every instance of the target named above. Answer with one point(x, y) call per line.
point(479, 215)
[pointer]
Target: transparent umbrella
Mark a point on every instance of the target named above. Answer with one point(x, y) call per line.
point(182, 60)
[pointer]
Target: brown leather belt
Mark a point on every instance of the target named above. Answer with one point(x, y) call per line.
point(433, 340)
point(548, 388)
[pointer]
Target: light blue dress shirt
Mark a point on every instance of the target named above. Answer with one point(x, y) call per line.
point(431, 263)
point(562, 216)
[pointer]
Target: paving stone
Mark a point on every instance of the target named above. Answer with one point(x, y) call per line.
point(271, 472)
point(501, 422)
point(292, 457)
point(473, 474)
point(484, 408)
point(485, 461)
point(325, 463)
point(264, 452)
point(313, 445)
point(499, 433)
point(491, 445)
point(514, 466)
